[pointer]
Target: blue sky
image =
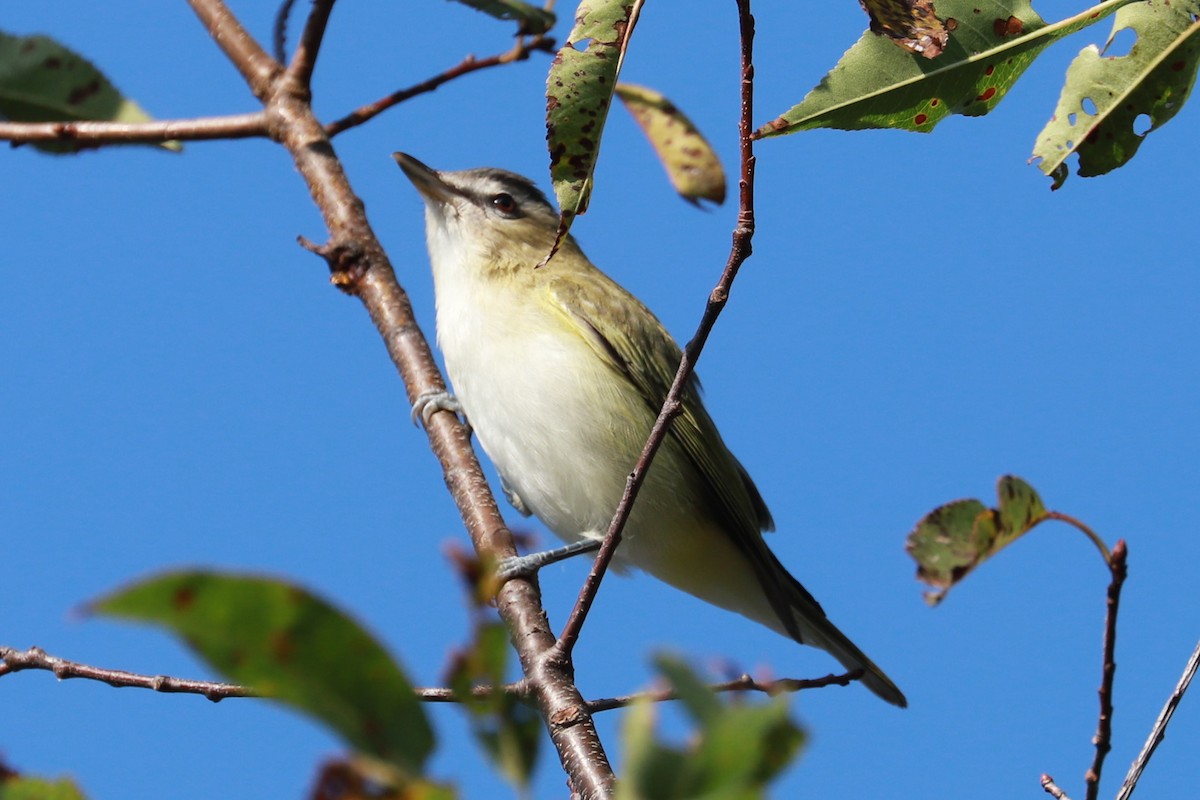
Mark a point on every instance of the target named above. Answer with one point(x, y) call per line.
point(920, 316)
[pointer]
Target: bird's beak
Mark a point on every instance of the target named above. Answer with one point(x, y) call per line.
point(428, 181)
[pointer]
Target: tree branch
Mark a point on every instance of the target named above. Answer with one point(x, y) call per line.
point(304, 60)
point(1053, 789)
point(519, 52)
point(239, 46)
point(672, 405)
point(743, 684)
point(1160, 726)
point(233, 126)
point(1103, 738)
point(37, 658)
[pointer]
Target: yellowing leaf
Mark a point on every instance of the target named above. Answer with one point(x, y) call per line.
point(579, 90)
point(691, 164)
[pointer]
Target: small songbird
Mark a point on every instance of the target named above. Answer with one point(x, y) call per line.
point(561, 373)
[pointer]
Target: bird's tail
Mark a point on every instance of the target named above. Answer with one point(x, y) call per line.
point(803, 619)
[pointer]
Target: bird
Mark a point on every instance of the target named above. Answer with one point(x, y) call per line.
point(561, 372)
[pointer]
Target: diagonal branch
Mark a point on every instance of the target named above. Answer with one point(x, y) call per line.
point(239, 46)
point(520, 52)
point(304, 60)
point(1160, 725)
point(360, 267)
point(672, 405)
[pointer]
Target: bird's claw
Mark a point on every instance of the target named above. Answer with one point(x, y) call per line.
point(429, 403)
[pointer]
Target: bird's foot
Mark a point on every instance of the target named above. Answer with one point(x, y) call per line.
point(527, 566)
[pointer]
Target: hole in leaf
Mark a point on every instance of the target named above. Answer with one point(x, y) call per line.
point(1142, 124)
point(1089, 106)
point(581, 45)
point(1121, 43)
point(1071, 119)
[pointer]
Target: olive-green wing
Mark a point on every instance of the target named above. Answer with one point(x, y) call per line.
point(634, 343)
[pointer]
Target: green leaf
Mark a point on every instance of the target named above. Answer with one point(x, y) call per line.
point(1103, 95)
point(291, 646)
point(877, 85)
point(734, 754)
point(530, 19)
point(953, 539)
point(13, 787)
point(42, 81)
point(579, 92)
point(692, 165)
point(509, 730)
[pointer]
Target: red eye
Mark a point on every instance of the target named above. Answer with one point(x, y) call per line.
point(504, 203)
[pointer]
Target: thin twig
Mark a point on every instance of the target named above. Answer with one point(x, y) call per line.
point(1052, 788)
point(1103, 738)
point(1084, 529)
point(1160, 726)
point(743, 684)
point(37, 658)
point(519, 52)
point(672, 405)
point(233, 126)
point(279, 39)
point(304, 60)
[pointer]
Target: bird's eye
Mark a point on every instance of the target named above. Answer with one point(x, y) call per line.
point(505, 204)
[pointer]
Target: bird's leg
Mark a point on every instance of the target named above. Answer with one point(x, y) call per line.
point(429, 403)
point(522, 566)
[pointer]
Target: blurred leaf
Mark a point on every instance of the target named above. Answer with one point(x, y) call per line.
point(530, 19)
point(911, 24)
point(693, 167)
point(509, 730)
point(17, 787)
point(579, 92)
point(735, 752)
point(953, 539)
point(291, 646)
point(42, 81)
point(1104, 95)
point(876, 85)
point(365, 779)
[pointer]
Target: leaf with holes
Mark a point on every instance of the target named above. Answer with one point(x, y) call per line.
point(876, 85)
point(911, 24)
point(530, 19)
point(42, 81)
point(953, 539)
point(579, 92)
point(291, 646)
point(1103, 95)
point(691, 164)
